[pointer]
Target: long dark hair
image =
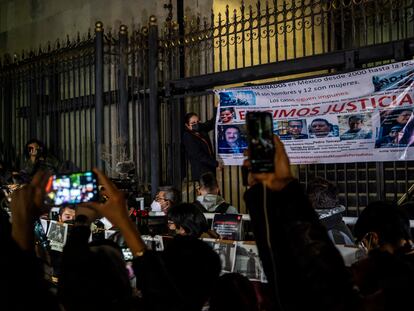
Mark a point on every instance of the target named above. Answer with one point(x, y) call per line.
point(42, 149)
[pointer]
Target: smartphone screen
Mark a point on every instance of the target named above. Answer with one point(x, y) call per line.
point(62, 189)
point(261, 146)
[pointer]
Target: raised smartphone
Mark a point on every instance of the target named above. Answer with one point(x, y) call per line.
point(75, 188)
point(261, 145)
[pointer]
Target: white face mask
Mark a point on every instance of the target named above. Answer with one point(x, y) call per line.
point(155, 206)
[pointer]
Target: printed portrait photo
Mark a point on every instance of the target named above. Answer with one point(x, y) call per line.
point(57, 232)
point(323, 127)
point(237, 98)
point(227, 115)
point(232, 139)
point(355, 126)
point(248, 261)
point(227, 254)
point(396, 128)
point(292, 129)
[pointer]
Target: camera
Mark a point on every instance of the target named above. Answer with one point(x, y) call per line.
point(260, 137)
point(74, 188)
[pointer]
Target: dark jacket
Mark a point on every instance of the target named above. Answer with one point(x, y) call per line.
point(391, 275)
point(199, 149)
point(179, 278)
point(22, 282)
point(301, 263)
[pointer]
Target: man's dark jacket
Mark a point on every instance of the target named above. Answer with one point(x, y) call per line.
point(199, 149)
point(301, 263)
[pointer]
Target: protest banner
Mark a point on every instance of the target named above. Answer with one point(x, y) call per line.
point(359, 116)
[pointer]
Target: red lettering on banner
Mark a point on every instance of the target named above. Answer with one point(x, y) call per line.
point(315, 110)
point(351, 106)
point(381, 102)
point(283, 113)
point(406, 99)
point(360, 104)
point(373, 103)
point(337, 108)
point(303, 112)
point(363, 104)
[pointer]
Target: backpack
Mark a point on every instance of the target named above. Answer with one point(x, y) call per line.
point(220, 209)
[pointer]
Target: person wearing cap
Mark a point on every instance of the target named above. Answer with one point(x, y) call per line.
point(390, 140)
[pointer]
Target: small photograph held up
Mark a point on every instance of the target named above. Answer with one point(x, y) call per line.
point(57, 234)
point(227, 252)
point(248, 262)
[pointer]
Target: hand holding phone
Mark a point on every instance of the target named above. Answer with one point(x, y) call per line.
point(261, 145)
point(279, 178)
point(75, 188)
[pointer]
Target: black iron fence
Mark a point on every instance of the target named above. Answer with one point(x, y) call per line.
point(50, 95)
point(279, 40)
point(118, 97)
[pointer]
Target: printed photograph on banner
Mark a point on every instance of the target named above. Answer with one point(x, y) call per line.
point(227, 254)
point(323, 127)
point(355, 126)
point(232, 139)
point(395, 80)
point(397, 129)
point(227, 115)
point(57, 235)
point(292, 129)
point(248, 261)
point(237, 98)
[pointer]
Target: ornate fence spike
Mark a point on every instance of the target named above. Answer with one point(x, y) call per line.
point(152, 20)
point(123, 29)
point(98, 26)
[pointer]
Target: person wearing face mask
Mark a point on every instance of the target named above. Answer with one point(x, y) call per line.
point(197, 145)
point(165, 198)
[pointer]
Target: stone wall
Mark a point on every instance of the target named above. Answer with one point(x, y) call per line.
point(26, 24)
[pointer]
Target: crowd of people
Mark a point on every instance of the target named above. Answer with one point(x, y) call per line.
point(296, 232)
